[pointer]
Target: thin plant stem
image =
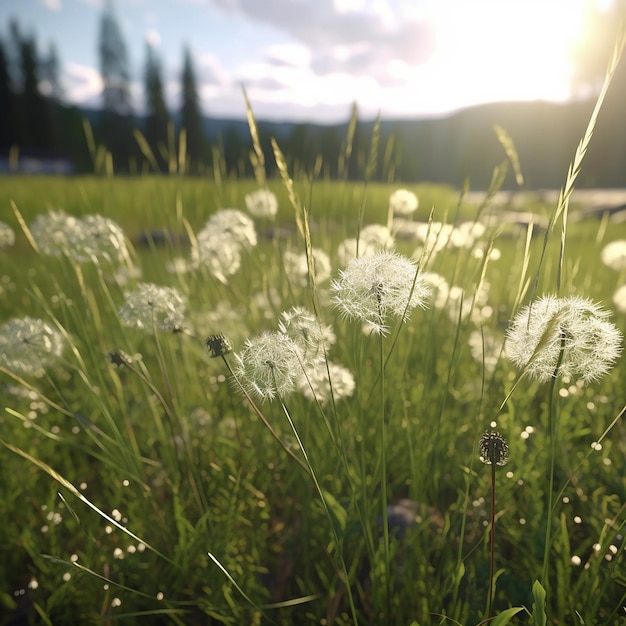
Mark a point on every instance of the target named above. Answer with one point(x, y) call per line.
point(552, 433)
point(320, 492)
point(492, 539)
point(383, 478)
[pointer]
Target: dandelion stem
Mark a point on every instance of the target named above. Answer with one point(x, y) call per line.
point(492, 539)
point(553, 431)
point(383, 479)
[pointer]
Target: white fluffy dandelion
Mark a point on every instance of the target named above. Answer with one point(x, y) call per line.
point(28, 345)
point(262, 203)
point(613, 255)
point(233, 224)
point(297, 268)
point(590, 343)
point(372, 239)
point(269, 365)
point(403, 202)
point(303, 327)
point(149, 306)
point(316, 383)
point(7, 236)
point(373, 288)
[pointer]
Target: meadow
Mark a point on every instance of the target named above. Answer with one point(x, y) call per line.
point(322, 403)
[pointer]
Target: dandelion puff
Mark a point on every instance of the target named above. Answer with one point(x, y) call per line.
point(96, 237)
point(29, 345)
point(53, 232)
point(613, 255)
point(262, 203)
point(303, 327)
point(220, 255)
point(590, 343)
point(619, 299)
point(7, 236)
point(297, 267)
point(269, 365)
point(150, 305)
point(316, 384)
point(234, 224)
point(493, 449)
point(373, 288)
point(403, 202)
point(372, 239)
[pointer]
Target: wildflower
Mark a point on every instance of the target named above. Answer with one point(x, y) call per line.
point(313, 337)
point(372, 239)
point(28, 345)
point(619, 299)
point(90, 238)
point(218, 345)
point(262, 203)
point(403, 202)
point(269, 365)
point(297, 268)
point(119, 358)
point(494, 450)
point(466, 233)
point(7, 236)
point(149, 306)
point(316, 384)
point(220, 255)
point(613, 255)
point(52, 232)
point(373, 287)
point(96, 237)
point(232, 224)
point(577, 326)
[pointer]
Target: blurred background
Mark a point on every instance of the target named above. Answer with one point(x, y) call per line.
point(77, 74)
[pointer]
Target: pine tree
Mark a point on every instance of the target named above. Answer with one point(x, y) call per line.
point(116, 122)
point(8, 123)
point(157, 118)
point(190, 114)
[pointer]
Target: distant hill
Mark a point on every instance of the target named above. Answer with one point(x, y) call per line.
point(463, 145)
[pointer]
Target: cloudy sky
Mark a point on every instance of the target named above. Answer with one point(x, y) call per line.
point(310, 59)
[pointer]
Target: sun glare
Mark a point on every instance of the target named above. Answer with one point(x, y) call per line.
point(509, 50)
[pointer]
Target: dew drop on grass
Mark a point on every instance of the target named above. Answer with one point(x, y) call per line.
point(576, 560)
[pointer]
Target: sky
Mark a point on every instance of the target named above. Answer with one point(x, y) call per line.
point(309, 60)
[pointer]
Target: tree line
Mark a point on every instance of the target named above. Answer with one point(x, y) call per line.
point(35, 119)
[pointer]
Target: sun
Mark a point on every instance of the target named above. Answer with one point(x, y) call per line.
point(509, 50)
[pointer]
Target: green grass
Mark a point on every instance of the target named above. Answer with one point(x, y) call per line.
point(217, 523)
point(156, 491)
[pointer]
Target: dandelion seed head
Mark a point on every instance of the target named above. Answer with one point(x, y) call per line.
point(29, 345)
point(262, 203)
point(403, 202)
point(233, 224)
point(591, 344)
point(372, 239)
point(619, 299)
point(372, 288)
point(7, 236)
point(150, 305)
point(297, 268)
point(269, 365)
point(493, 448)
point(220, 255)
point(303, 327)
point(218, 345)
point(316, 384)
point(613, 255)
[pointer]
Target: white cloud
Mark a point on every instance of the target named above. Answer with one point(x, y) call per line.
point(82, 83)
point(53, 5)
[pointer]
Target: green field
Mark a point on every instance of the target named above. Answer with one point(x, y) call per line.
point(141, 482)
